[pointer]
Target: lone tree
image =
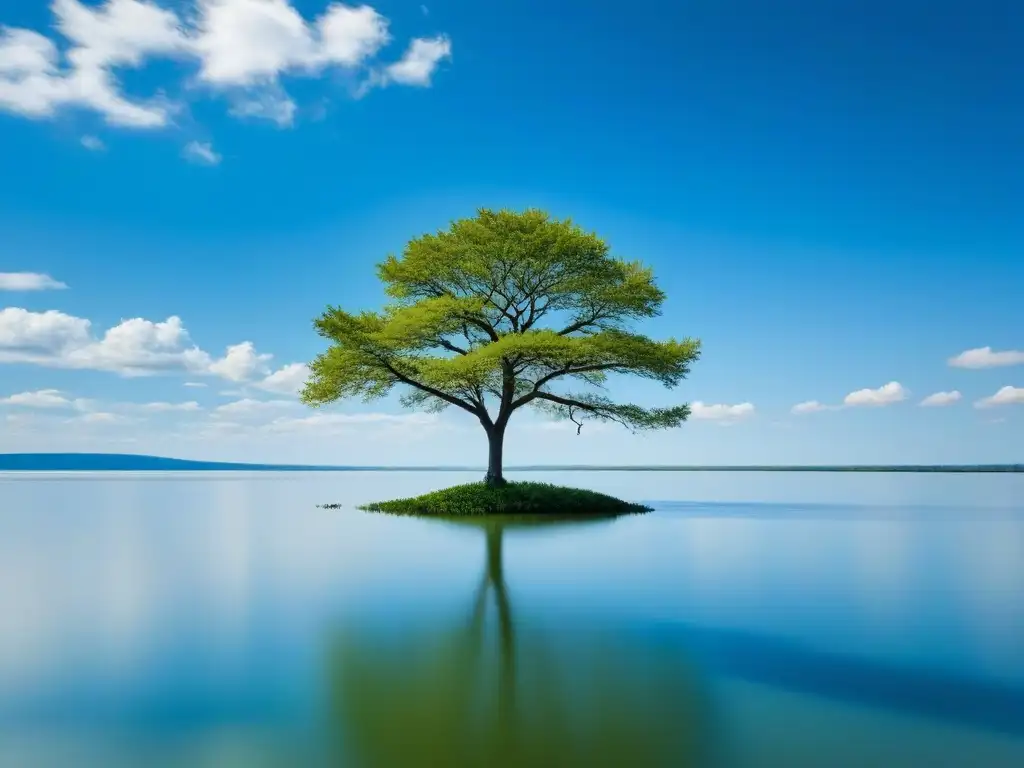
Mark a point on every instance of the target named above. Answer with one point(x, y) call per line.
point(500, 312)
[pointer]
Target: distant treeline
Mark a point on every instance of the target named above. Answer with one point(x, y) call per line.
point(119, 462)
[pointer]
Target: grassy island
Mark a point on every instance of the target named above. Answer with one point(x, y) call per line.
point(509, 499)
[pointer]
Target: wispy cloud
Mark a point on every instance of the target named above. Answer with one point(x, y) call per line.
point(200, 153)
point(810, 406)
point(42, 398)
point(29, 281)
point(334, 422)
point(93, 143)
point(249, 407)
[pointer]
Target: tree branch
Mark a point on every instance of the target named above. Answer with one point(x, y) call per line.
point(451, 347)
point(583, 406)
point(566, 371)
point(476, 411)
point(579, 325)
point(482, 325)
point(572, 418)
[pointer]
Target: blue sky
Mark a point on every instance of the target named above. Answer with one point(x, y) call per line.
point(829, 193)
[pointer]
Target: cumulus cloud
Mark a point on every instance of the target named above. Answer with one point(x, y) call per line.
point(241, 363)
point(941, 398)
point(985, 357)
point(23, 333)
point(287, 380)
point(253, 42)
point(36, 82)
point(719, 412)
point(809, 406)
point(29, 281)
point(1005, 396)
point(43, 398)
point(138, 347)
point(135, 347)
point(200, 153)
point(239, 47)
point(890, 393)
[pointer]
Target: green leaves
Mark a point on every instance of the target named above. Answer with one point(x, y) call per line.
point(492, 314)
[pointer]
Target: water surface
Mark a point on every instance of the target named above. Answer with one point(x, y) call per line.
point(752, 620)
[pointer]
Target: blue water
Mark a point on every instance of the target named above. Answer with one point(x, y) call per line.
point(751, 620)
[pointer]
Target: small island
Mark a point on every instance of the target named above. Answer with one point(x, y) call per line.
point(497, 313)
point(509, 500)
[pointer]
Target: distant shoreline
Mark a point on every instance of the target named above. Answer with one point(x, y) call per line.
point(103, 462)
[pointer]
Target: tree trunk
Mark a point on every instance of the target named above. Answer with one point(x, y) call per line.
point(495, 445)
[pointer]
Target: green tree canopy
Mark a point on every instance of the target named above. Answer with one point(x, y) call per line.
point(502, 311)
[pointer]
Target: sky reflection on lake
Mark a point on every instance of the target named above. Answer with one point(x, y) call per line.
point(197, 620)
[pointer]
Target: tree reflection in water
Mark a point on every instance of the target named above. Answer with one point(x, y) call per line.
point(560, 698)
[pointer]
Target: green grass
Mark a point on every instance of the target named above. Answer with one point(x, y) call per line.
point(513, 499)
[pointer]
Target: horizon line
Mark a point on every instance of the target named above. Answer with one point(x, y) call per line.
point(26, 460)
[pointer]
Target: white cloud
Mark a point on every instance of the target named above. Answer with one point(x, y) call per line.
point(288, 380)
point(699, 410)
point(809, 406)
point(43, 398)
point(1005, 396)
point(194, 384)
point(893, 392)
point(565, 425)
point(941, 398)
point(102, 417)
point(135, 347)
point(350, 35)
point(93, 143)
point(201, 153)
point(420, 61)
point(253, 42)
point(28, 281)
point(240, 363)
point(51, 399)
point(139, 347)
point(984, 357)
point(333, 422)
point(241, 47)
point(187, 407)
point(266, 103)
point(121, 33)
point(23, 333)
point(248, 406)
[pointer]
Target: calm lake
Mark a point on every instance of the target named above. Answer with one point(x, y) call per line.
point(753, 619)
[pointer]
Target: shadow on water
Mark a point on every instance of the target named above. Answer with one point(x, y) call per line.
point(514, 696)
